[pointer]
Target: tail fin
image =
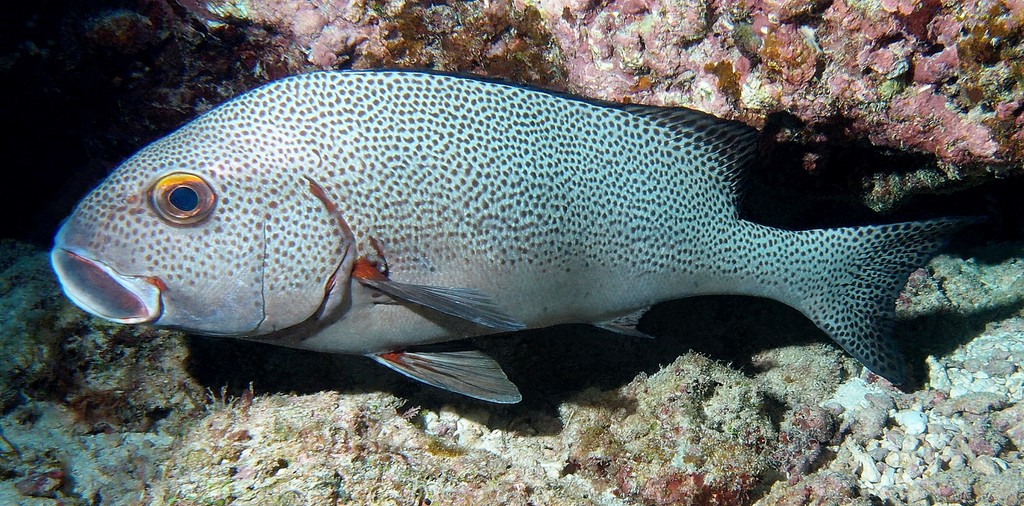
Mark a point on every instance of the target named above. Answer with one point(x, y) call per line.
point(853, 299)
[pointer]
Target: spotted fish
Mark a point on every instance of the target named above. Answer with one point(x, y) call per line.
point(380, 212)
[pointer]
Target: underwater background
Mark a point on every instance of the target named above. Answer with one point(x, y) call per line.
point(872, 111)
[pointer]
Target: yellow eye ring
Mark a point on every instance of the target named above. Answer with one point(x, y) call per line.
point(182, 198)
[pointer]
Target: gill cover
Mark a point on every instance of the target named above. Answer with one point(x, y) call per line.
point(309, 255)
point(207, 230)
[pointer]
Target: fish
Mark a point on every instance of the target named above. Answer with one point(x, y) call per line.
point(391, 213)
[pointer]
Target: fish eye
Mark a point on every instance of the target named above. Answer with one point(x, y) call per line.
point(182, 198)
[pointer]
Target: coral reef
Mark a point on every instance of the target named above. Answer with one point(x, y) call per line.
point(490, 38)
point(328, 448)
point(941, 79)
point(694, 432)
point(932, 89)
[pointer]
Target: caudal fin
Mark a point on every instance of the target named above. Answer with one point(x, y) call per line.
point(852, 297)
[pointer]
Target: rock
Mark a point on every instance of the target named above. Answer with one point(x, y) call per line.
point(914, 422)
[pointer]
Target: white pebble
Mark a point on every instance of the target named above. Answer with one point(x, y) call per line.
point(893, 459)
point(869, 472)
point(888, 479)
point(937, 374)
point(988, 465)
point(909, 444)
point(957, 461)
point(914, 422)
point(936, 440)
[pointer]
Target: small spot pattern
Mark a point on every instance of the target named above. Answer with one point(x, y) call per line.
point(562, 209)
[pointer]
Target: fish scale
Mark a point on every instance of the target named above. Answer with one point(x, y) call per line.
point(372, 212)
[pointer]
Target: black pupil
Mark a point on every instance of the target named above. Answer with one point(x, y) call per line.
point(185, 199)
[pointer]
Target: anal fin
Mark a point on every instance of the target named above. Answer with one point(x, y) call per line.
point(626, 324)
point(467, 372)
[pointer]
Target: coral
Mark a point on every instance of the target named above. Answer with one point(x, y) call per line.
point(799, 375)
point(937, 68)
point(48, 455)
point(53, 352)
point(939, 79)
point(88, 406)
point(802, 440)
point(114, 412)
point(492, 38)
point(925, 122)
point(356, 448)
point(788, 53)
point(694, 432)
point(818, 489)
point(33, 324)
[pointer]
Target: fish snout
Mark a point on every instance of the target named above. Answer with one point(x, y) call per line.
point(102, 291)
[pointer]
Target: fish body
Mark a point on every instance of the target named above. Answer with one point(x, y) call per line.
point(371, 212)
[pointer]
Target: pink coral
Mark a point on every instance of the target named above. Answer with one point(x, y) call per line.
point(788, 52)
point(842, 62)
point(327, 32)
point(936, 68)
point(924, 121)
point(817, 489)
point(41, 484)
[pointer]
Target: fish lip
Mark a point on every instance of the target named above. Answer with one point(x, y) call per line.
point(102, 291)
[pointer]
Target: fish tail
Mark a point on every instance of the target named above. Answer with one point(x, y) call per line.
point(852, 290)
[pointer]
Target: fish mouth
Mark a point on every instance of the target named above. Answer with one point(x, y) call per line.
point(100, 290)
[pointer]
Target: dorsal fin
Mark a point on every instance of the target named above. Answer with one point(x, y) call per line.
point(731, 143)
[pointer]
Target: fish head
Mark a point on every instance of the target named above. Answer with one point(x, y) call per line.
point(212, 230)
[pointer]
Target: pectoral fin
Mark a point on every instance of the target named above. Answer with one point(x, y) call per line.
point(467, 372)
point(465, 303)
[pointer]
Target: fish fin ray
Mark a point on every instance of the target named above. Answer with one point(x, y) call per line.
point(466, 303)
point(467, 372)
point(857, 310)
point(732, 144)
point(626, 324)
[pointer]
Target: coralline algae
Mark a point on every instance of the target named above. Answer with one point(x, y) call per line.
point(919, 76)
point(816, 60)
point(486, 37)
